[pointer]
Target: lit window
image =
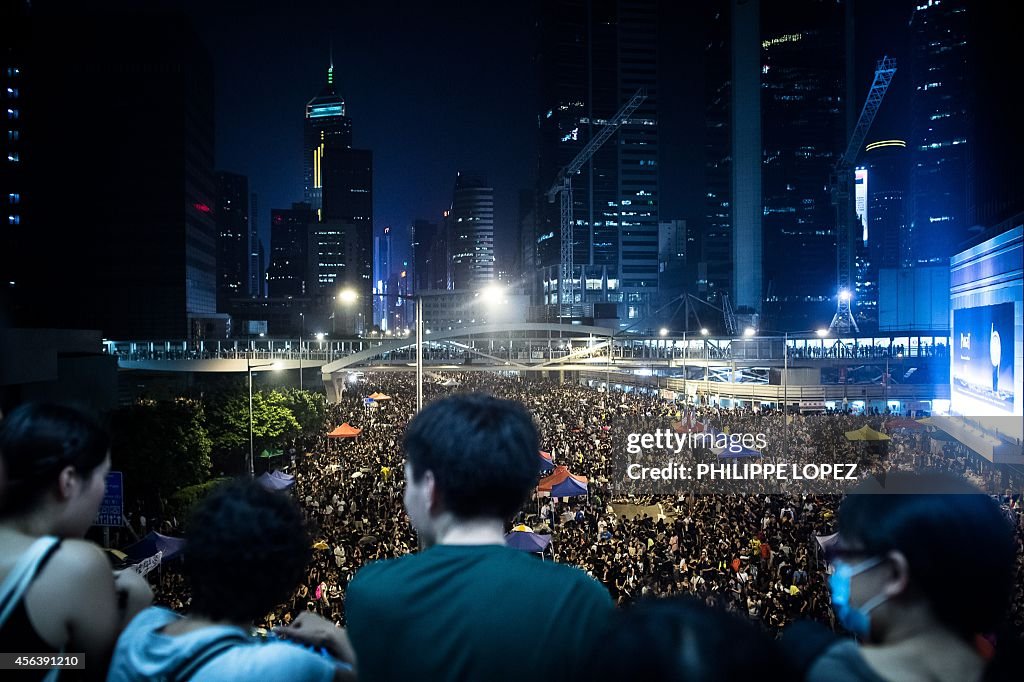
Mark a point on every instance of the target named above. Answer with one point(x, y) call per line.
point(13, 157)
point(14, 219)
point(14, 198)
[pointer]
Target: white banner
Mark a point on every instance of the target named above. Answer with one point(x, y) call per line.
point(147, 565)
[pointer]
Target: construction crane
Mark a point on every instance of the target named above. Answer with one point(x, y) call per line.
point(563, 185)
point(842, 185)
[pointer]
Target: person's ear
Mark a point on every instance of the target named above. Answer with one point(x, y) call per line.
point(67, 483)
point(898, 577)
point(431, 492)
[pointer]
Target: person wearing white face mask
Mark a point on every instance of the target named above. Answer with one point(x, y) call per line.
point(922, 571)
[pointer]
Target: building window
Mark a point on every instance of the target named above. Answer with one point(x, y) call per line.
point(13, 157)
point(14, 198)
point(13, 135)
point(12, 114)
point(14, 219)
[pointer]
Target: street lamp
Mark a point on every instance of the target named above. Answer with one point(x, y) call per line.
point(249, 367)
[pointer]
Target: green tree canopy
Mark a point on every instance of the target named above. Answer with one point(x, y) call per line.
point(273, 424)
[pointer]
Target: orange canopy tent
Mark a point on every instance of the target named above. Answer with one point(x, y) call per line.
point(379, 396)
point(560, 473)
point(346, 430)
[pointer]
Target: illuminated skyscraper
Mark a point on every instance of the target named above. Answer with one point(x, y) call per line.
point(326, 126)
point(470, 230)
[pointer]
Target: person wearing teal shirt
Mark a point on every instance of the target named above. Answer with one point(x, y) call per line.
point(467, 607)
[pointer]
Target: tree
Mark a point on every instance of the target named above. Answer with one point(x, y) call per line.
point(161, 447)
point(308, 407)
point(272, 424)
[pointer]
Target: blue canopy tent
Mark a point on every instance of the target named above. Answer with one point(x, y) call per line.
point(527, 541)
point(570, 487)
point(275, 480)
point(547, 462)
point(152, 543)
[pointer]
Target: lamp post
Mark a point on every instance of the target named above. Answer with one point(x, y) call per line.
point(249, 367)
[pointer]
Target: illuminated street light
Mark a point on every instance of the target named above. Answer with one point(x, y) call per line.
point(822, 333)
point(663, 331)
point(704, 331)
point(749, 331)
point(492, 294)
point(845, 295)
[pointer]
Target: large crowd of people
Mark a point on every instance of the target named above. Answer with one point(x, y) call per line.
point(758, 554)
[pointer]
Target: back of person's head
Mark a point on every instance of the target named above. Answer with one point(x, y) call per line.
point(247, 549)
point(959, 547)
point(39, 441)
point(482, 452)
point(680, 639)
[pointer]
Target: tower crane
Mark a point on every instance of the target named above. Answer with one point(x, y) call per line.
point(563, 185)
point(842, 184)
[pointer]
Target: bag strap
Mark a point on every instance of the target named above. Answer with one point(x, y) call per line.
point(205, 654)
point(23, 573)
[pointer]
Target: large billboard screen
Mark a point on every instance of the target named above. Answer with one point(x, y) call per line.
point(983, 361)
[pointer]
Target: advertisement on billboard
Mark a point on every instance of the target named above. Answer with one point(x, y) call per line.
point(982, 365)
point(861, 200)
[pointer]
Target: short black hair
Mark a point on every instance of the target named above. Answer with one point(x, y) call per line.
point(246, 550)
point(949, 531)
point(679, 639)
point(37, 440)
point(483, 453)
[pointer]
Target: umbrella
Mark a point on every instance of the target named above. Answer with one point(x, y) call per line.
point(321, 545)
point(346, 430)
point(866, 433)
point(379, 396)
point(358, 474)
point(527, 541)
point(522, 527)
point(267, 454)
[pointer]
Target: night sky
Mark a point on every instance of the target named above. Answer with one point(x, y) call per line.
point(431, 88)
